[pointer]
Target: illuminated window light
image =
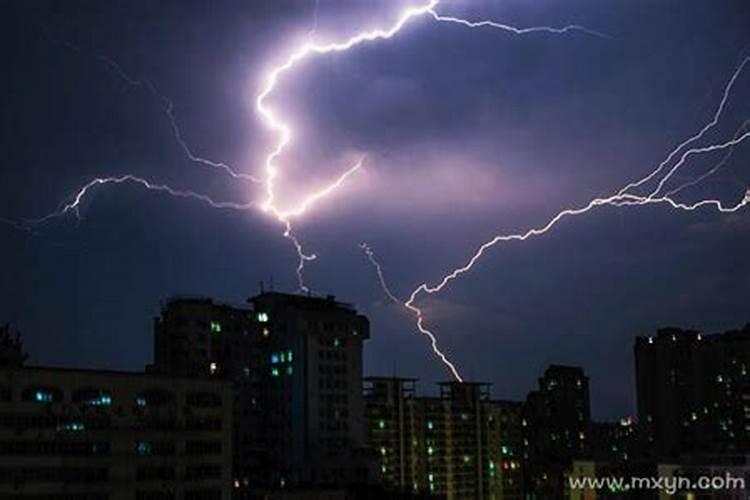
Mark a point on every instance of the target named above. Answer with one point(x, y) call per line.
point(381, 424)
point(140, 401)
point(289, 356)
point(275, 372)
point(215, 327)
point(430, 424)
point(282, 356)
point(289, 370)
point(266, 332)
point(43, 396)
point(246, 371)
point(73, 426)
point(262, 317)
point(383, 451)
point(143, 448)
point(430, 450)
point(213, 368)
point(274, 358)
point(336, 342)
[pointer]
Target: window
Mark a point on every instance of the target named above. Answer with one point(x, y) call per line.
point(262, 317)
point(42, 394)
point(91, 396)
point(215, 327)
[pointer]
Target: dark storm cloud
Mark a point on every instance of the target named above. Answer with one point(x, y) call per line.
point(466, 133)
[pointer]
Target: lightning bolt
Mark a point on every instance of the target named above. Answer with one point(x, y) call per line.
point(311, 48)
point(284, 132)
point(622, 198)
point(410, 307)
point(281, 127)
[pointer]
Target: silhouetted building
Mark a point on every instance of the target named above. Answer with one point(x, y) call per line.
point(460, 445)
point(557, 418)
point(694, 391)
point(95, 434)
point(12, 354)
point(296, 366)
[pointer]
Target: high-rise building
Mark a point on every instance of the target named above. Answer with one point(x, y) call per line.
point(296, 366)
point(459, 445)
point(101, 434)
point(693, 391)
point(557, 418)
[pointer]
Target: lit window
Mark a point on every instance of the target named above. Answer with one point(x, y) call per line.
point(381, 424)
point(215, 327)
point(143, 448)
point(72, 426)
point(383, 450)
point(274, 358)
point(262, 317)
point(336, 342)
point(266, 332)
point(289, 356)
point(275, 372)
point(430, 425)
point(430, 450)
point(283, 357)
point(289, 370)
point(246, 370)
point(43, 396)
point(213, 368)
point(140, 401)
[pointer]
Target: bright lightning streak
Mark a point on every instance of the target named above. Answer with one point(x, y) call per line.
point(75, 204)
point(168, 108)
point(718, 166)
point(418, 313)
point(621, 199)
point(284, 130)
point(690, 140)
point(513, 29)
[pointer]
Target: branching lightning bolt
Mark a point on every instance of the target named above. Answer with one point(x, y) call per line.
point(623, 198)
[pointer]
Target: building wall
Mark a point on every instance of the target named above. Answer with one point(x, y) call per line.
point(295, 363)
point(693, 391)
point(116, 435)
point(460, 445)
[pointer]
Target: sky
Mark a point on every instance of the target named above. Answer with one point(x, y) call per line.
point(465, 134)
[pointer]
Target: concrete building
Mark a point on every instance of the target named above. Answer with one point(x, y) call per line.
point(96, 434)
point(557, 419)
point(295, 363)
point(694, 391)
point(459, 445)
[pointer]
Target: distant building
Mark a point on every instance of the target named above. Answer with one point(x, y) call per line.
point(694, 391)
point(460, 445)
point(557, 419)
point(93, 434)
point(296, 366)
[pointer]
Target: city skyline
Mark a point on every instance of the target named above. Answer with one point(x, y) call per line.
point(461, 133)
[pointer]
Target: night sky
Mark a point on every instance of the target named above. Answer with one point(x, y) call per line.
point(466, 134)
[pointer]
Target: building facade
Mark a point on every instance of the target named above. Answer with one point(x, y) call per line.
point(91, 434)
point(557, 420)
point(459, 445)
point(693, 391)
point(295, 363)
